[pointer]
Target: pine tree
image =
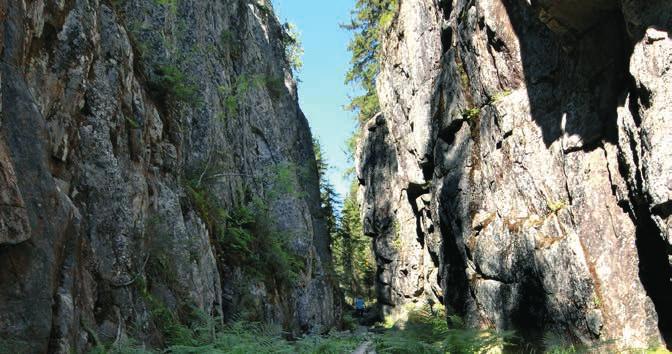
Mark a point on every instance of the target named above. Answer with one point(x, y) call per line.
point(328, 196)
point(353, 251)
point(369, 19)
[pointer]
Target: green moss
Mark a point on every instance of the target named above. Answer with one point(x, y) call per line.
point(370, 19)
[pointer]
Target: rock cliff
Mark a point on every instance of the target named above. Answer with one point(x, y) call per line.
point(126, 124)
point(520, 170)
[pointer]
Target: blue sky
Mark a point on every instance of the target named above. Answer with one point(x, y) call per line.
point(322, 91)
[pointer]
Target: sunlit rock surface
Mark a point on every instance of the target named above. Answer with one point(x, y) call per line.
point(520, 171)
point(108, 109)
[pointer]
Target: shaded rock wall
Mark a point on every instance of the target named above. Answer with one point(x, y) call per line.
point(109, 110)
point(526, 150)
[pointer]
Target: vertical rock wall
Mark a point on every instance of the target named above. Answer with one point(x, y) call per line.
point(524, 146)
point(109, 110)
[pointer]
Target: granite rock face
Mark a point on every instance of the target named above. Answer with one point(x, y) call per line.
point(520, 169)
point(109, 110)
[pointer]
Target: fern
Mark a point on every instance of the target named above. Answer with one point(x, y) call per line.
point(427, 331)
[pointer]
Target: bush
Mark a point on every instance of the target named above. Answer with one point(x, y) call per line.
point(471, 114)
point(291, 41)
point(247, 237)
point(171, 83)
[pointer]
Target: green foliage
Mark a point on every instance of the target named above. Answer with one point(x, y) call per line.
point(284, 181)
point(369, 20)
point(348, 322)
point(171, 5)
point(237, 239)
point(354, 261)
point(554, 206)
point(328, 195)
point(275, 86)
point(235, 94)
point(207, 336)
point(14, 346)
point(264, 7)
point(328, 344)
point(471, 114)
point(132, 122)
point(556, 344)
point(230, 43)
point(291, 41)
point(500, 95)
point(171, 83)
point(246, 235)
point(427, 331)
point(165, 320)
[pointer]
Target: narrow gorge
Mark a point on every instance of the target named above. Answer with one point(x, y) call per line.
point(512, 168)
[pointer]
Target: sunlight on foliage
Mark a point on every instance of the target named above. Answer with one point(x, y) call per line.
point(293, 47)
point(370, 18)
point(427, 331)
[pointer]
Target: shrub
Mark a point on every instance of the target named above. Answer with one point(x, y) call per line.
point(234, 94)
point(291, 41)
point(247, 237)
point(471, 114)
point(171, 83)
